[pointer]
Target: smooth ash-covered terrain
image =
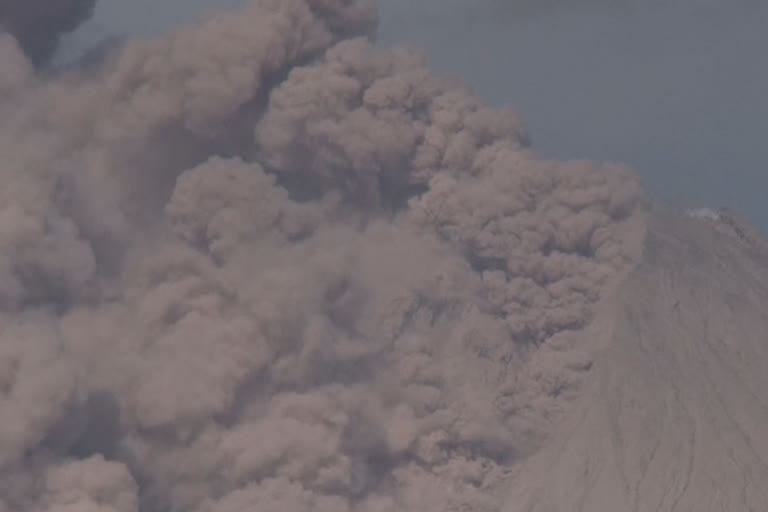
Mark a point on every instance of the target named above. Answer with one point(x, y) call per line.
point(260, 264)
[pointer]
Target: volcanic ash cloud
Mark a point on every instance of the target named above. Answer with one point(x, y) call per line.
point(38, 24)
point(261, 263)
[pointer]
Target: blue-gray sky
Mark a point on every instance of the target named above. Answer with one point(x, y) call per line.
point(674, 89)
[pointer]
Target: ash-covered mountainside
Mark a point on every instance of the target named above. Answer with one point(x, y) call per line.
point(675, 417)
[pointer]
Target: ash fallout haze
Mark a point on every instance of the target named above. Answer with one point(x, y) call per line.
point(259, 263)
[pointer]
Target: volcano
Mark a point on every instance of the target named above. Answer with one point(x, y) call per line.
point(261, 263)
point(675, 416)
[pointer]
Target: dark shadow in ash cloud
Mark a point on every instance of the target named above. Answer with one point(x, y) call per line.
point(38, 24)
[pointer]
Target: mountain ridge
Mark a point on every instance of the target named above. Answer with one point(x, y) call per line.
point(671, 419)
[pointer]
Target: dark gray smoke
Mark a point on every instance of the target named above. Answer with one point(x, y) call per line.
point(261, 264)
point(38, 24)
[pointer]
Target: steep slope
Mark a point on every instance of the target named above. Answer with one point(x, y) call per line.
point(676, 415)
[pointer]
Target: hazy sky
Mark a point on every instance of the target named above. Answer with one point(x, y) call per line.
point(675, 90)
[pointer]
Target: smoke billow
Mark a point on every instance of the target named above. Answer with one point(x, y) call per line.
point(38, 24)
point(262, 263)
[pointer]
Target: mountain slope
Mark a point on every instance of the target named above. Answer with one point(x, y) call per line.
point(676, 416)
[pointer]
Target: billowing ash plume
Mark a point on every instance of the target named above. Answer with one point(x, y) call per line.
point(38, 24)
point(260, 263)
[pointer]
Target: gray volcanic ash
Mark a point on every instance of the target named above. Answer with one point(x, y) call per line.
point(38, 24)
point(262, 264)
